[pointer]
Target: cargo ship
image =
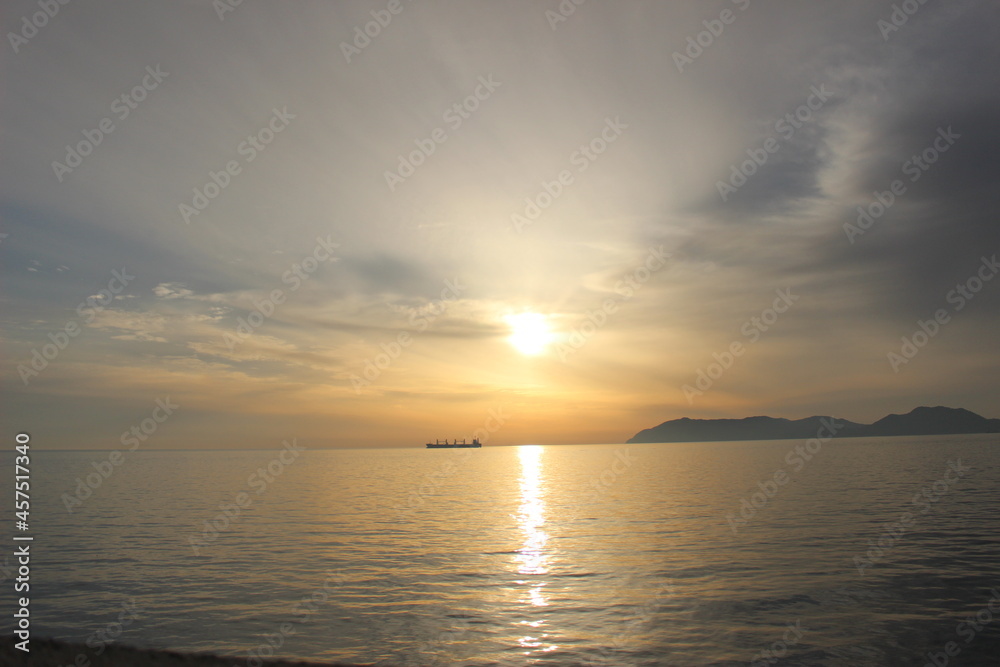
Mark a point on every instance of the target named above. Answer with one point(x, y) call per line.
point(437, 444)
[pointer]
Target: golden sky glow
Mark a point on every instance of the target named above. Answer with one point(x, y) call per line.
point(482, 223)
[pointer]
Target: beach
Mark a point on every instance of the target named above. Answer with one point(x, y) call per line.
point(51, 653)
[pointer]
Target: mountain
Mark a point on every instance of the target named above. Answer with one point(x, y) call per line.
point(920, 421)
point(934, 421)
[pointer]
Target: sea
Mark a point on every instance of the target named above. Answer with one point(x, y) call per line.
point(857, 551)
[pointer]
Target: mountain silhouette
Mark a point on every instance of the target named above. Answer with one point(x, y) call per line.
point(920, 421)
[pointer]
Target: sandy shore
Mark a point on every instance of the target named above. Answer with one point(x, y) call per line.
point(50, 653)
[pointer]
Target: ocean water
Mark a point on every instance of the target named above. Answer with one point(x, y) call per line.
point(864, 552)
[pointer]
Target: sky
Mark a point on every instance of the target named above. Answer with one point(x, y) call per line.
point(382, 223)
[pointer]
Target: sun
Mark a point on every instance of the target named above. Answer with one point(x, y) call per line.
point(530, 333)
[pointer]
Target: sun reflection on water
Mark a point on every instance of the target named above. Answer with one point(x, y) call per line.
point(532, 556)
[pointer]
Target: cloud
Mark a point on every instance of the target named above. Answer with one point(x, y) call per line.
point(139, 326)
point(172, 291)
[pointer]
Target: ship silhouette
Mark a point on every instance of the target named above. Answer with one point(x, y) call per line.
point(437, 444)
